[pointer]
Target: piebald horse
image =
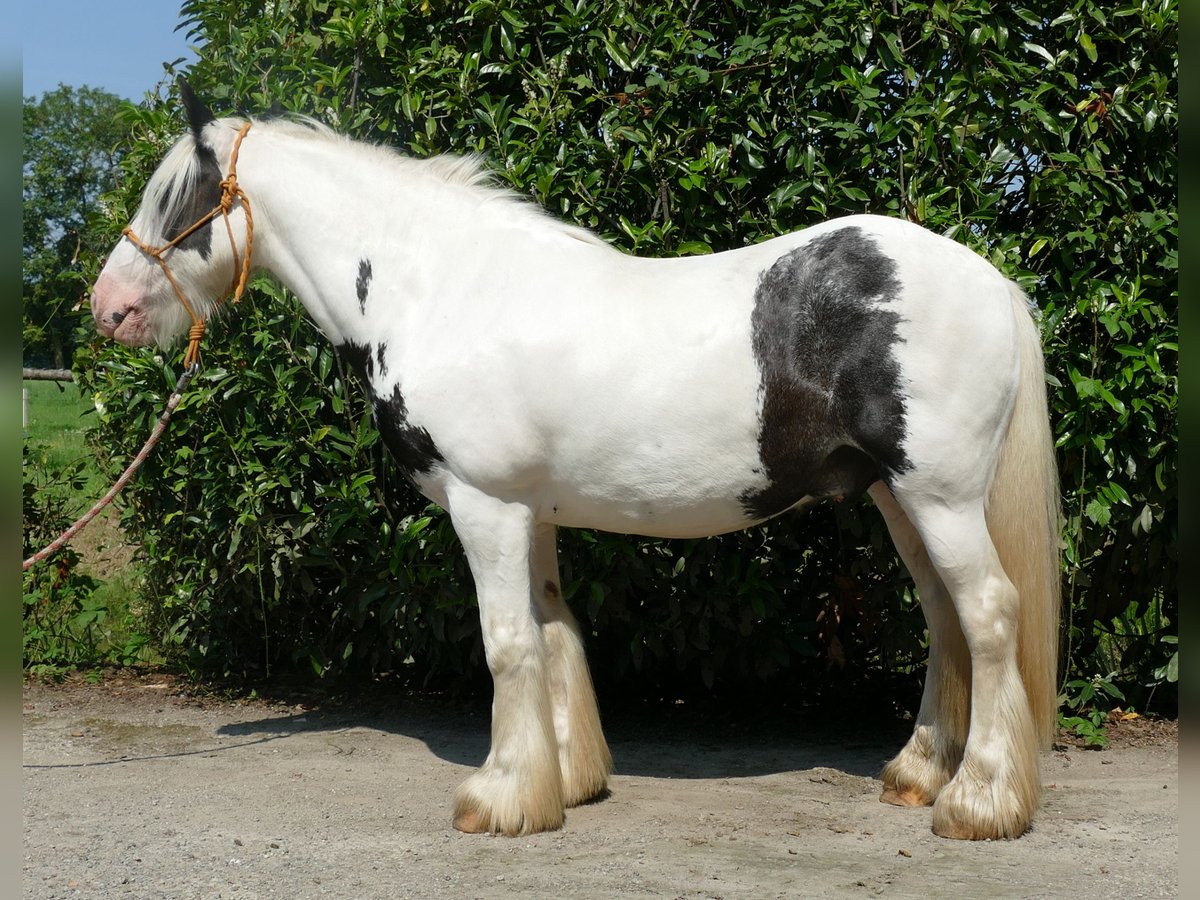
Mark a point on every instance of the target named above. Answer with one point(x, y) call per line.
point(528, 376)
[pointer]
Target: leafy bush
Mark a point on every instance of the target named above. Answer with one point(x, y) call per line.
point(1045, 138)
point(62, 619)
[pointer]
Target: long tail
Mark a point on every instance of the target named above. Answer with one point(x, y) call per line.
point(1024, 518)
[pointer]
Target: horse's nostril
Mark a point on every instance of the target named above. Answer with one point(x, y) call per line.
point(118, 318)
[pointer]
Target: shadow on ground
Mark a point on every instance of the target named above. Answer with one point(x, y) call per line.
point(663, 745)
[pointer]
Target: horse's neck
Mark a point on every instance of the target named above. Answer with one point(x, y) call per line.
point(332, 219)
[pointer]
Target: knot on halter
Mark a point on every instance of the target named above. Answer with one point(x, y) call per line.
point(229, 193)
point(153, 252)
point(191, 358)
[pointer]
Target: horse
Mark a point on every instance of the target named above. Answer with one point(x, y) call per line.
point(528, 376)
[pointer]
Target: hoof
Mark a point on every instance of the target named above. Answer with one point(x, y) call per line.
point(504, 814)
point(957, 831)
point(474, 822)
point(986, 812)
point(910, 796)
point(470, 822)
point(919, 773)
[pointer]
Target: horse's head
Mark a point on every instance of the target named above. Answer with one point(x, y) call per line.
point(133, 300)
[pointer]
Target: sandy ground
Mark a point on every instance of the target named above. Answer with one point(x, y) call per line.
point(135, 788)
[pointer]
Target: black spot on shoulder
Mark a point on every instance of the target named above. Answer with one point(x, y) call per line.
point(206, 194)
point(363, 283)
point(412, 446)
point(833, 413)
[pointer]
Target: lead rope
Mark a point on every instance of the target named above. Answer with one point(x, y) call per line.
point(230, 191)
point(63, 539)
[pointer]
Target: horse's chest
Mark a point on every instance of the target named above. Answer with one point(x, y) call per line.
point(411, 445)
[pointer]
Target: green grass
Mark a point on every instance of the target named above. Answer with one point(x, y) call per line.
point(58, 416)
point(56, 412)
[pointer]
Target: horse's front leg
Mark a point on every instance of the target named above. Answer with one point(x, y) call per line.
point(583, 754)
point(519, 788)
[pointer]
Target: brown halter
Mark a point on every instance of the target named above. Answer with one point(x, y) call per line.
point(230, 191)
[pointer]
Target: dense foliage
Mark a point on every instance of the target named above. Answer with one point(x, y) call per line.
point(1043, 136)
point(56, 617)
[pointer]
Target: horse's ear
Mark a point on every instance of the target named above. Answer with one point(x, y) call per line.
point(198, 115)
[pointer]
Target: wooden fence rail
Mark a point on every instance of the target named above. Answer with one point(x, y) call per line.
point(47, 375)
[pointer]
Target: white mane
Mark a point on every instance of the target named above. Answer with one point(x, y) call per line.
point(173, 183)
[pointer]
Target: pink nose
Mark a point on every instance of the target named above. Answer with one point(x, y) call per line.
point(110, 304)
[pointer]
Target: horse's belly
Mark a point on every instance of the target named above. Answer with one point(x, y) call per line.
point(659, 472)
point(678, 503)
point(715, 517)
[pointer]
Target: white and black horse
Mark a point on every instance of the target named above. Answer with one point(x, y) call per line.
point(528, 376)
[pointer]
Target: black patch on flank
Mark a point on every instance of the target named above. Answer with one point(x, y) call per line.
point(411, 445)
point(206, 194)
point(833, 413)
point(362, 283)
point(380, 350)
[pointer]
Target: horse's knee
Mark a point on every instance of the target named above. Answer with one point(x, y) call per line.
point(988, 618)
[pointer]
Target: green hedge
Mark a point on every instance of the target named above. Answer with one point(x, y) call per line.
point(1045, 138)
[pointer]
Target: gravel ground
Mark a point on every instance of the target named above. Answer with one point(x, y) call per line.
point(135, 788)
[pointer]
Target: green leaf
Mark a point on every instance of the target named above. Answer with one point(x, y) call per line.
point(1040, 51)
point(1098, 511)
point(1089, 47)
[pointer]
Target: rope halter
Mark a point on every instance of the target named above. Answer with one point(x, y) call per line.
point(231, 192)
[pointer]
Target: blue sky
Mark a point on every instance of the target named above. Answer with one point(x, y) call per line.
point(117, 45)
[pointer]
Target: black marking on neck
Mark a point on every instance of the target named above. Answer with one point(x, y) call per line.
point(411, 445)
point(833, 405)
point(362, 283)
point(206, 194)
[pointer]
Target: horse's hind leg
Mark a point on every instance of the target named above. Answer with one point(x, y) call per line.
point(933, 753)
point(582, 751)
point(519, 788)
point(995, 791)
